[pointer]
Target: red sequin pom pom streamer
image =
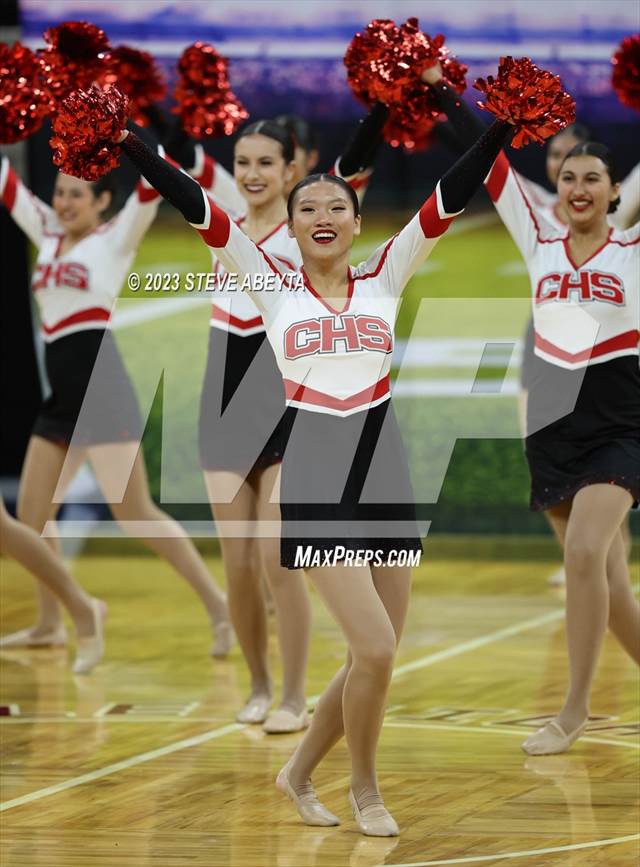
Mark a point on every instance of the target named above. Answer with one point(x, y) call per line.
point(138, 77)
point(77, 55)
point(625, 78)
point(206, 103)
point(24, 103)
point(384, 63)
point(529, 97)
point(85, 127)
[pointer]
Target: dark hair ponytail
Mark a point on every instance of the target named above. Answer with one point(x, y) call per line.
point(602, 152)
point(303, 133)
point(271, 129)
point(312, 179)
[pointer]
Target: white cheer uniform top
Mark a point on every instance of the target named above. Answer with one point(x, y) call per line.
point(585, 314)
point(335, 362)
point(75, 291)
point(233, 310)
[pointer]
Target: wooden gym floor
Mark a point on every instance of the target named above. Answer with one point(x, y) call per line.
point(141, 765)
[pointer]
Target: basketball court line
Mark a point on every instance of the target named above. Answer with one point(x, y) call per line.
point(133, 761)
point(478, 859)
point(99, 773)
point(502, 730)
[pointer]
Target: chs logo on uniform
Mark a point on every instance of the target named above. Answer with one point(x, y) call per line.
point(581, 287)
point(331, 334)
point(57, 275)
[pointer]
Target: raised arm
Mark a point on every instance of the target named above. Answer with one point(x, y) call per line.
point(219, 184)
point(237, 253)
point(30, 213)
point(399, 258)
point(355, 164)
point(509, 192)
point(629, 206)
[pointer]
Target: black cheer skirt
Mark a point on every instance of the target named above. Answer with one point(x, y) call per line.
point(345, 484)
point(584, 429)
point(92, 401)
point(242, 405)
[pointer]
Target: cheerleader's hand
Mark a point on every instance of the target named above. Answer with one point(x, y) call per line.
point(432, 74)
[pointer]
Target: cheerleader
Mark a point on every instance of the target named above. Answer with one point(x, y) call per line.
point(242, 431)
point(242, 438)
point(547, 204)
point(88, 614)
point(80, 266)
point(348, 516)
point(583, 413)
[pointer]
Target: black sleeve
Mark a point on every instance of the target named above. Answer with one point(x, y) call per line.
point(145, 134)
point(466, 124)
point(360, 152)
point(177, 143)
point(445, 134)
point(459, 184)
point(175, 186)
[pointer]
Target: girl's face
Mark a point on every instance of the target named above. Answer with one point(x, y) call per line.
point(558, 148)
point(260, 170)
point(77, 207)
point(585, 189)
point(323, 221)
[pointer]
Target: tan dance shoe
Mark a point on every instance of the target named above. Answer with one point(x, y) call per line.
point(551, 739)
point(24, 638)
point(374, 821)
point(90, 650)
point(283, 721)
point(311, 810)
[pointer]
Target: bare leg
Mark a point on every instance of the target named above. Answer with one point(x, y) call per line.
point(168, 538)
point(588, 534)
point(625, 529)
point(624, 608)
point(354, 598)
point(291, 600)
point(30, 550)
point(596, 514)
point(246, 601)
point(43, 466)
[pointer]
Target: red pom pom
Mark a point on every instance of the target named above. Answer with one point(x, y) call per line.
point(23, 101)
point(85, 127)
point(385, 61)
point(625, 78)
point(138, 77)
point(530, 98)
point(206, 102)
point(77, 56)
point(384, 65)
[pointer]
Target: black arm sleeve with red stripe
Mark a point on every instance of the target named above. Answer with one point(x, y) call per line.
point(363, 146)
point(175, 186)
point(459, 184)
